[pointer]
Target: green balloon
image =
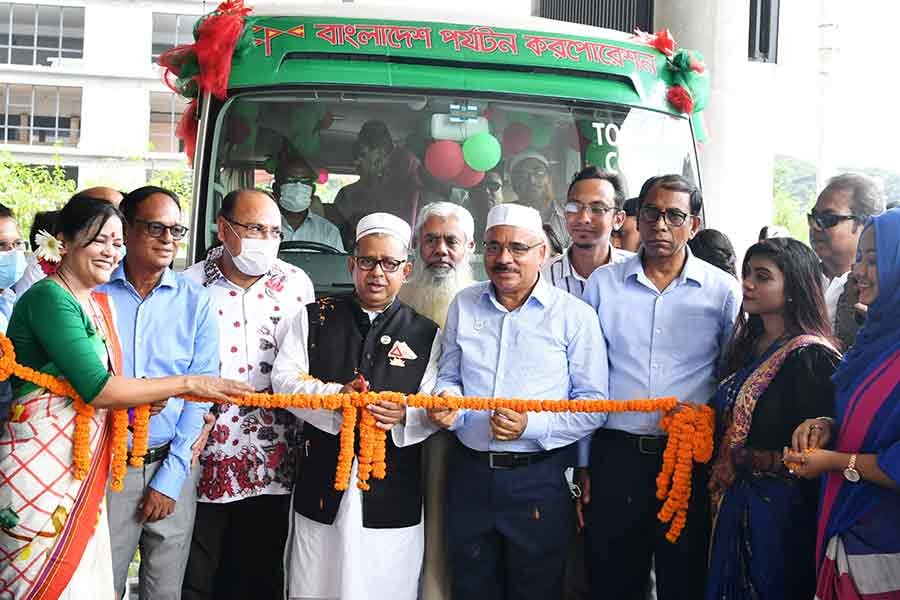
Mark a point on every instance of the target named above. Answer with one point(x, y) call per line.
point(586, 128)
point(482, 152)
point(603, 157)
point(541, 134)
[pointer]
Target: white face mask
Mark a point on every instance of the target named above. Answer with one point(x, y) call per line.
point(295, 197)
point(256, 257)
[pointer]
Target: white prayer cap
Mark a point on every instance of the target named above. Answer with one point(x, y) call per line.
point(525, 156)
point(385, 223)
point(516, 215)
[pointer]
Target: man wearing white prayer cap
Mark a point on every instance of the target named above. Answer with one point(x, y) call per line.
point(532, 181)
point(356, 545)
point(510, 513)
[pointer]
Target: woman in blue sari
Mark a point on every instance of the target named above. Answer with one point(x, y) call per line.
point(778, 370)
point(858, 544)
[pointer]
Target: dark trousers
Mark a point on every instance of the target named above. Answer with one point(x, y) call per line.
point(623, 534)
point(508, 530)
point(237, 551)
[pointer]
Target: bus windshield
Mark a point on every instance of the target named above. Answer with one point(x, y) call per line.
point(363, 152)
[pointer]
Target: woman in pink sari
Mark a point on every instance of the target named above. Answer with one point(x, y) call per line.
point(54, 538)
point(858, 545)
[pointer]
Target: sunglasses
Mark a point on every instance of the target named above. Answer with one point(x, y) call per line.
point(492, 186)
point(827, 220)
point(157, 229)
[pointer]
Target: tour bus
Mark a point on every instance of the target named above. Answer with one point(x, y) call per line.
point(496, 107)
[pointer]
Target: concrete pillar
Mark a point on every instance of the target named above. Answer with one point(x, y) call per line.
point(736, 165)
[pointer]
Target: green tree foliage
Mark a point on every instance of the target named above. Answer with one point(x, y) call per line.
point(29, 189)
point(793, 193)
point(179, 181)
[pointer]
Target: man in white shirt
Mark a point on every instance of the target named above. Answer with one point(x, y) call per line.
point(593, 211)
point(247, 467)
point(355, 545)
point(835, 224)
point(294, 187)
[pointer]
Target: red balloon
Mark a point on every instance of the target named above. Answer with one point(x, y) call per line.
point(572, 137)
point(468, 178)
point(516, 138)
point(444, 159)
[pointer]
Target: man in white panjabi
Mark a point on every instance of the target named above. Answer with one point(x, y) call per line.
point(357, 545)
point(445, 243)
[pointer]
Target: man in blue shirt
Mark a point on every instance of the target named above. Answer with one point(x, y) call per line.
point(165, 327)
point(667, 317)
point(509, 508)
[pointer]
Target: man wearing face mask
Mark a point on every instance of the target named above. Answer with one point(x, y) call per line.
point(12, 266)
point(294, 188)
point(12, 262)
point(246, 469)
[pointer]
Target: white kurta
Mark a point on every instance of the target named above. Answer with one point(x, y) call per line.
point(345, 560)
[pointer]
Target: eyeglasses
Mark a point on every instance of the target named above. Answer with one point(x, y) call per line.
point(535, 173)
point(491, 186)
point(304, 180)
point(672, 216)
point(20, 245)
point(827, 220)
point(596, 210)
point(388, 265)
point(259, 232)
point(157, 229)
point(517, 249)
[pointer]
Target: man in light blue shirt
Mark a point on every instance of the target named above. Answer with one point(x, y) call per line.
point(515, 336)
point(166, 327)
point(293, 188)
point(667, 317)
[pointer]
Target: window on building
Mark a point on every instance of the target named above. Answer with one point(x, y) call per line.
point(763, 42)
point(624, 15)
point(170, 31)
point(40, 115)
point(33, 34)
point(166, 109)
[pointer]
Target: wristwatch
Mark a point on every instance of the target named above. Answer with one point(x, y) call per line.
point(850, 473)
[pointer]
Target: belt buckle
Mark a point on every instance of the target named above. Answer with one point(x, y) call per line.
point(641, 448)
point(493, 465)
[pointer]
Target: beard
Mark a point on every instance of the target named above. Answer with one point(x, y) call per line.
point(430, 292)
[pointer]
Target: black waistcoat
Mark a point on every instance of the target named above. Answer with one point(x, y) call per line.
point(341, 344)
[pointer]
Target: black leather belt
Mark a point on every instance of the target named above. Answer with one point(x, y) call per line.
point(508, 460)
point(155, 454)
point(645, 444)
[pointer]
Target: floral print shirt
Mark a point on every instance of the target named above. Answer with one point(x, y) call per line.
point(250, 451)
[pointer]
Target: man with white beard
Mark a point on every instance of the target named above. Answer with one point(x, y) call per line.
point(444, 242)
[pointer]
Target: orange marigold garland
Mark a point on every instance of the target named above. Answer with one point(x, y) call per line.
point(140, 435)
point(119, 466)
point(345, 454)
point(81, 439)
point(690, 430)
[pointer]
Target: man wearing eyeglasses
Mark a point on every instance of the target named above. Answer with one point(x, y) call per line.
point(166, 327)
point(352, 544)
point(667, 317)
point(509, 508)
point(532, 181)
point(593, 212)
point(835, 224)
point(483, 197)
point(247, 466)
point(294, 187)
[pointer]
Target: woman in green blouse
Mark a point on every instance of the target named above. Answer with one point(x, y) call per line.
point(54, 539)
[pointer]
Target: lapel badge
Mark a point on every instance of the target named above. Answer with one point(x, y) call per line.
point(385, 339)
point(399, 353)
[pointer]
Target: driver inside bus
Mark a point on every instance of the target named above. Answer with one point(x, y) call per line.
point(294, 187)
point(532, 182)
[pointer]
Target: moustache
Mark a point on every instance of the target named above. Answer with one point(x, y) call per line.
point(504, 269)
